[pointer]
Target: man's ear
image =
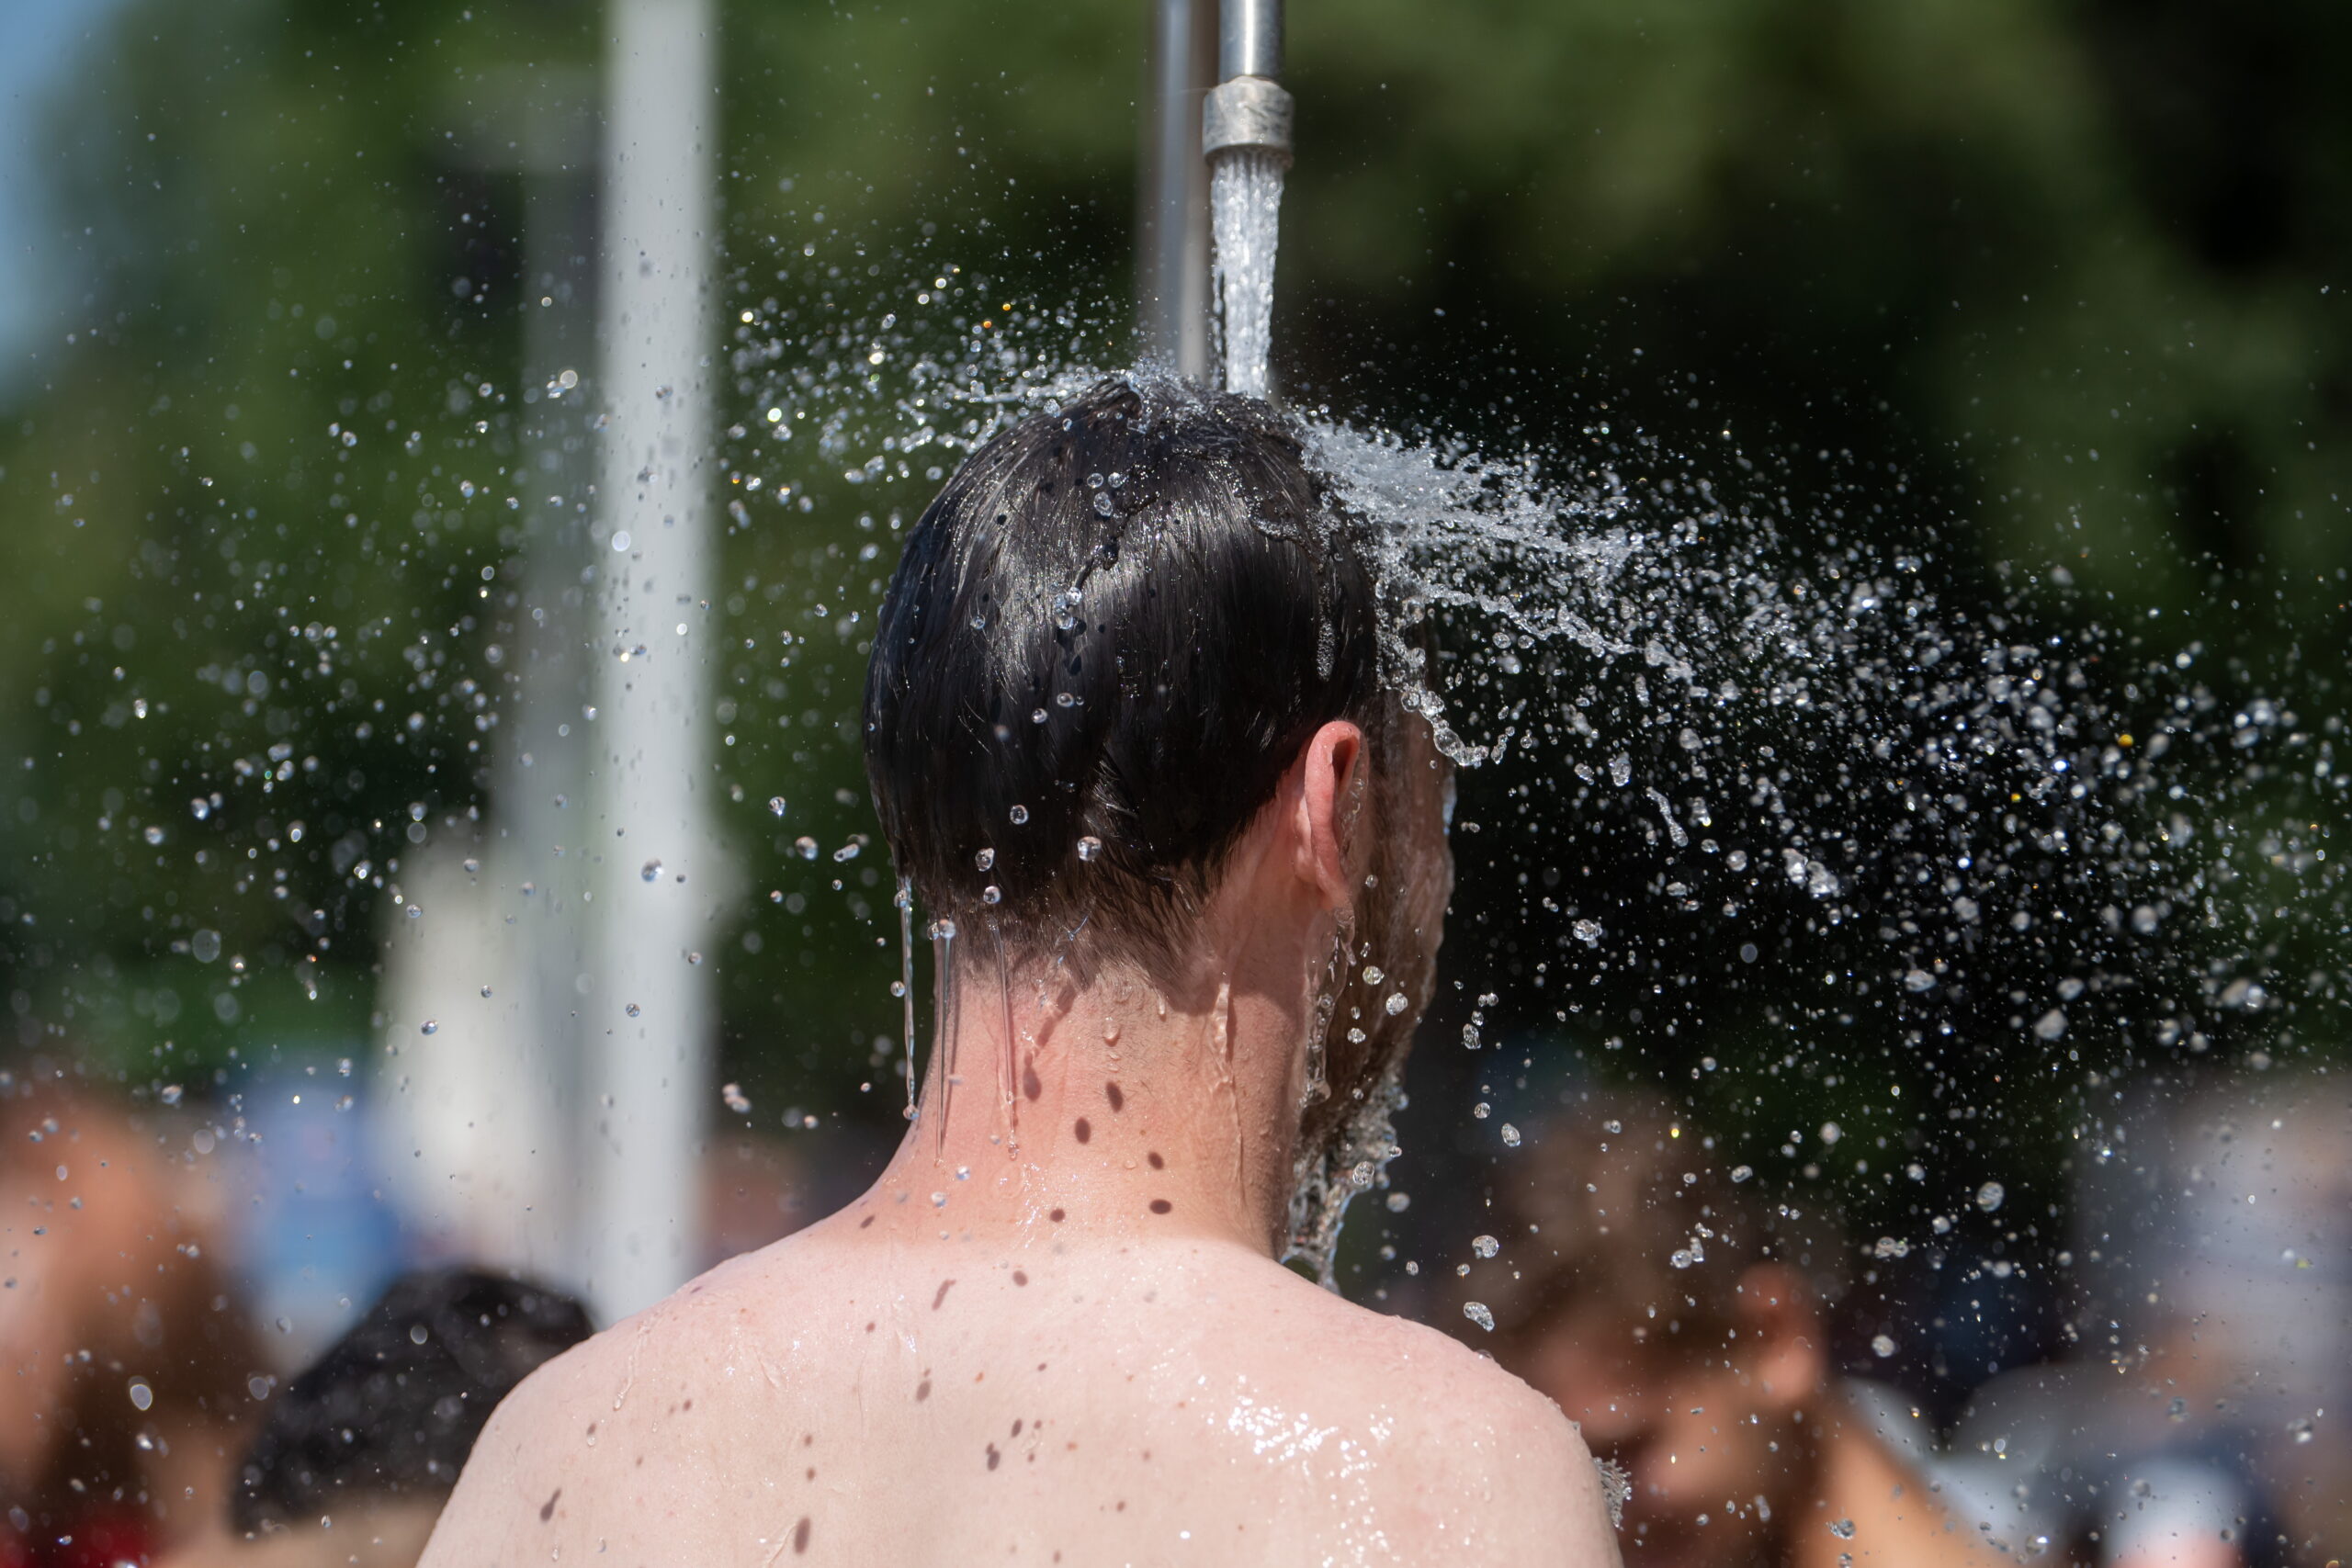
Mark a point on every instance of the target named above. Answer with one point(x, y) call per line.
point(1785, 1360)
point(1328, 798)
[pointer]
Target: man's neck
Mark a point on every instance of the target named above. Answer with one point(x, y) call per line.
point(1116, 1111)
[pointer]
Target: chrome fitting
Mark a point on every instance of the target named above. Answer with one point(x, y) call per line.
point(1249, 111)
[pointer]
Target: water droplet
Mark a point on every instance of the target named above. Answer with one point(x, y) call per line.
point(1395, 1004)
point(775, 805)
point(1588, 933)
point(736, 1101)
point(1989, 1196)
point(984, 859)
point(991, 894)
point(1510, 1137)
point(805, 847)
point(1477, 1312)
point(1020, 814)
point(154, 834)
point(1742, 1172)
point(1037, 715)
point(621, 541)
point(430, 1026)
point(1842, 1529)
point(1090, 848)
point(1621, 770)
point(205, 945)
point(2051, 1024)
point(142, 1396)
point(1484, 1245)
point(653, 872)
point(485, 990)
point(1882, 1347)
point(633, 1010)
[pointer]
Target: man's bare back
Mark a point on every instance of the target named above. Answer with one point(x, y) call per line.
point(868, 1393)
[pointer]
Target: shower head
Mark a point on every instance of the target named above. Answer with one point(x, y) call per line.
point(1247, 109)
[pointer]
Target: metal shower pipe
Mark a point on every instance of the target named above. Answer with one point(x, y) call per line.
point(1247, 109)
point(1213, 88)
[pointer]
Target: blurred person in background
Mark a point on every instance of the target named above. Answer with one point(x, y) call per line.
point(1678, 1316)
point(359, 1453)
point(2203, 1424)
point(126, 1369)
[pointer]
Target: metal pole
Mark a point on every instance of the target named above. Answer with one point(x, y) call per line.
point(486, 1108)
point(541, 805)
point(1250, 39)
point(1247, 109)
point(1174, 227)
point(649, 1013)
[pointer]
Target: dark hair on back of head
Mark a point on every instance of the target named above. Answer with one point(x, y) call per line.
point(393, 1407)
point(1107, 640)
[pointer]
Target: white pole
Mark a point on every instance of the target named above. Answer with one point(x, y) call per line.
point(648, 1014)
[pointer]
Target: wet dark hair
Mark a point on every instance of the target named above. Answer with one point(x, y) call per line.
point(1107, 640)
point(393, 1407)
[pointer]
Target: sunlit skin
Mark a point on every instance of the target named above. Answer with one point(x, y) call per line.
point(1704, 1430)
point(1053, 1330)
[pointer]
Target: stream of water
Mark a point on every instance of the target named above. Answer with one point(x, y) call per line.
point(1246, 204)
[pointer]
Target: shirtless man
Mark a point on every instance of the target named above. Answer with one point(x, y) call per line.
point(1128, 741)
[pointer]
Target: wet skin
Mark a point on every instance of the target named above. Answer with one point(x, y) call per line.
point(1054, 1331)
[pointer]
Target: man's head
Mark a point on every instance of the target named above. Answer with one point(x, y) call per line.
point(1672, 1312)
point(1116, 631)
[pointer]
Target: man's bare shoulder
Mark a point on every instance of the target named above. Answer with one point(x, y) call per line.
point(1501, 1473)
point(572, 1428)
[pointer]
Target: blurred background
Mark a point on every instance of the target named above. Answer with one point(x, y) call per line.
point(308, 888)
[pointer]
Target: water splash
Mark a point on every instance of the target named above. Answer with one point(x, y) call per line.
point(1245, 207)
point(1727, 720)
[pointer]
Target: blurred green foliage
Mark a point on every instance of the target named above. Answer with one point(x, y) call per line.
point(2060, 281)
